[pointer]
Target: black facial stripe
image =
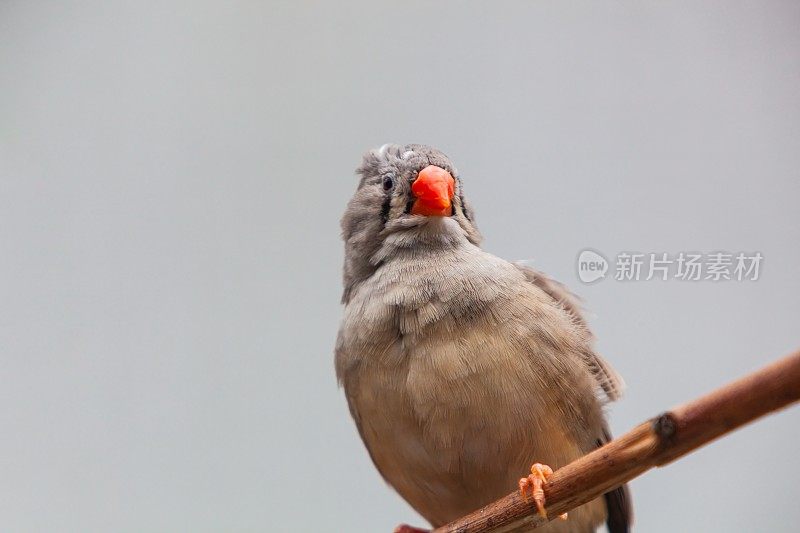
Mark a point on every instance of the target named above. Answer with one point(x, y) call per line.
point(463, 206)
point(387, 205)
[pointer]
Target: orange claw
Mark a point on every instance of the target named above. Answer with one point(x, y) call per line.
point(535, 482)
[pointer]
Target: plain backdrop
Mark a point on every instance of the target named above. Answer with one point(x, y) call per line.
point(171, 179)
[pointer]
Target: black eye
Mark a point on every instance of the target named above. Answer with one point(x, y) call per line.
point(388, 183)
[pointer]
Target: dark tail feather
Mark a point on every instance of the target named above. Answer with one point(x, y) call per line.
point(619, 505)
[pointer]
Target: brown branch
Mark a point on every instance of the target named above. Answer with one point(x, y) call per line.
point(653, 443)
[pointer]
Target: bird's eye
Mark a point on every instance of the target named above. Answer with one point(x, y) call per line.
point(388, 183)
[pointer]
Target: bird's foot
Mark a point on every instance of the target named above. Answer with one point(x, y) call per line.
point(534, 483)
point(405, 528)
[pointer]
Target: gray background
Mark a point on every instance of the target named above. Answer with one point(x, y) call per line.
point(171, 178)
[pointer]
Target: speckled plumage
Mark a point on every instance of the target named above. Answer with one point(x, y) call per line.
point(460, 368)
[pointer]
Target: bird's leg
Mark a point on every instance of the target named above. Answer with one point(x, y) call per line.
point(534, 482)
point(405, 528)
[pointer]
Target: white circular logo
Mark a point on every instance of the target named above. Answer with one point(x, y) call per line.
point(591, 266)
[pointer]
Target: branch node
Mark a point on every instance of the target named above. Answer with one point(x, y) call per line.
point(665, 426)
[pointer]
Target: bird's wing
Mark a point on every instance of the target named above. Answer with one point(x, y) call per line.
point(607, 378)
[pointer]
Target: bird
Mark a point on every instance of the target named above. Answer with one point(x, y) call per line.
point(462, 371)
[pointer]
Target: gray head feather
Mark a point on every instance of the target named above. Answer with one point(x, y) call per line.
point(380, 207)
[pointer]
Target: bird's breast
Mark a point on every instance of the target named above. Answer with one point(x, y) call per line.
point(454, 380)
point(457, 420)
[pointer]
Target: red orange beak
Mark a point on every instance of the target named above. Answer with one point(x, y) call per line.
point(433, 190)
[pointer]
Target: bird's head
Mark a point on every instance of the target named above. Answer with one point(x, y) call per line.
point(409, 196)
